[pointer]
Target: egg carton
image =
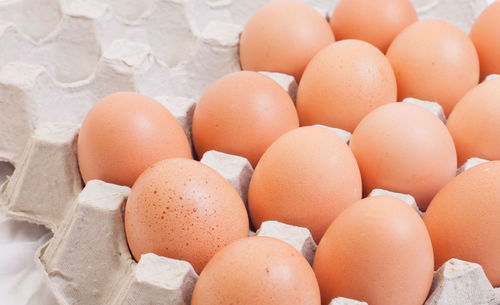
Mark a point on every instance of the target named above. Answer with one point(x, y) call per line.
point(89, 234)
point(59, 57)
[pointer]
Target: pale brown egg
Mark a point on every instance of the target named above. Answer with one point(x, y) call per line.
point(376, 22)
point(463, 219)
point(378, 251)
point(305, 178)
point(474, 123)
point(123, 134)
point(283, 36)
point(434, 61)
point(242, 113)
point(257, 270)
point(404, 148)
point(484, 35)
point(343, 83)
point(183, 209)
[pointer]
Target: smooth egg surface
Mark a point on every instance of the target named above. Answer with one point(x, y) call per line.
point(306, 178)
point(463, 219)
point(377, 251)
point(404, 148)
point(257, 270)
point(474, 123)
point(484, 35)
point(125, 133)
point(283, 36)
point(434, 61)
point(242, 113)
point(343, 83)
point(376, 22)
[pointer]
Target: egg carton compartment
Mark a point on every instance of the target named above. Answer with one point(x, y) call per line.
point(345, 301)
point(30, 96)
point(59, 57)
point(89, 234)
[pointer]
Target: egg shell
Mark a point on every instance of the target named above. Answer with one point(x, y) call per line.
point(474, 123)
point(125, 133)
point(463, 219)
point(343, 83)
point(484, 35)
point(404, 148)
point(257, 270)
point(305, 178)
point(241, 114)
point(376, 22)
point(435, 61)
point(183, 209)
point(378, 251)
point(265, 41)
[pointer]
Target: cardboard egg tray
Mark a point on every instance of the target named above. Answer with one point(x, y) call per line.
point(59, 57)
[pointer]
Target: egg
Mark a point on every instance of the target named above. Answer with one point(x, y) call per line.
point(125, 133)
point(376, 22)
point(434, 61)
point(182, 209)
point(242, 113)
point(343, 83)
point(463, 219)
point(474, 123)
point(484, 35)
point(377, 251)
point(404, 148)
point(265, 41)
point(305, 178)
point(257, 270)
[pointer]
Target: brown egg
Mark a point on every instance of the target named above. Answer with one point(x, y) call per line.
point(376, 22)
point(183, 209)
point(474, 123)
point(463, 219)
point(484, 35)
point(305, 178)
point(242, 113)
point(123, 134)
point(434, 61)
point(257, 270)
point(404, 148)
point(283, 36)
point(378, 251)
point(343, 83)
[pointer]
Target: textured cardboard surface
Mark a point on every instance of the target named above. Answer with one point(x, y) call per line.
point(59, 57)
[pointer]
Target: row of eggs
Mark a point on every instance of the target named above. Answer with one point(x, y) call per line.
point(375, 249)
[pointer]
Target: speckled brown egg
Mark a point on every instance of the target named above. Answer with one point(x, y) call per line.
point(376, 22)
point(474, 123)
point(434, 61)
point(306, 178)
point(257, 270)
point(343, 83)
point(183, 209)
point(283, 36)
point(463, 219)
point(404, 148)
point(484, 35)
point(242, 113)
point(125, 133)
point(378, 251)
